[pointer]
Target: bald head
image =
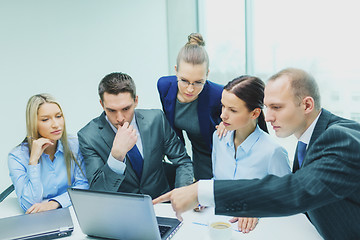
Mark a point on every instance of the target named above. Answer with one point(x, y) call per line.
point(302, 84)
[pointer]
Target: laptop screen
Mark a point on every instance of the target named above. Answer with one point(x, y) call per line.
point(118, 215)
point(50, 224)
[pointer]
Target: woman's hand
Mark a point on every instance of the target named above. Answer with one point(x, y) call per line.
point(42, 207)
point(220, 130)
point(38, 147)
point(245, 224)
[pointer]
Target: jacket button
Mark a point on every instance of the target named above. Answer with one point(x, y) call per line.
point(245, 206)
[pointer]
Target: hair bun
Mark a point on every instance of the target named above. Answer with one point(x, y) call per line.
point(196, 38)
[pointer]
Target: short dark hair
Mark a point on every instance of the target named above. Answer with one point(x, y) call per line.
point(250, 89)
point(302, 83)
point(115, 83)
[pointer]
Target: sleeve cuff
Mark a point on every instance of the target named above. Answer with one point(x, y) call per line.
point(63, 200)
point(206, 193)
point(116, 165)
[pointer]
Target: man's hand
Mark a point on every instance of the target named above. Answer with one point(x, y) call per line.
point(42, 207)
point(124, 140)
point(245, 224)
point(182, 199)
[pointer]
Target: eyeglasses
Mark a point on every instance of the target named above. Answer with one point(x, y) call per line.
point(186, 83)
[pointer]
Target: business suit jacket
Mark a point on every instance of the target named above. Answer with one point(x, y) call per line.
point(208, 109)
point(158, 139)
point(326, 186)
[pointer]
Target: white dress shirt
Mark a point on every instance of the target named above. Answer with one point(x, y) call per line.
point(306, 136)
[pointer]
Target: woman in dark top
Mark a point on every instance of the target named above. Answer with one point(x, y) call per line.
point(192, 103)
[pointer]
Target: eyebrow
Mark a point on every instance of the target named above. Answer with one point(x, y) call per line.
point(49, 115)
point(231, 107)
point(111, 109)
point(273, 104)
point(200, 80)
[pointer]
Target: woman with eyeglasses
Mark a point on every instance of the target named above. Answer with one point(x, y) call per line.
point(47, 162)
point(247, 151)
point(192, 103)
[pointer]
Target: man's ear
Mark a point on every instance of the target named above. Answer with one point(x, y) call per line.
point(101, 103)
point(308, 104)
point(136, 100)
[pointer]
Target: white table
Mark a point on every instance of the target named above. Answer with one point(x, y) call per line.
point(292, 227)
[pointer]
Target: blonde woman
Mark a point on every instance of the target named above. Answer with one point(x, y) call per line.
point(47, 162)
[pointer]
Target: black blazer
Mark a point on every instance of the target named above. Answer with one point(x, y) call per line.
point(327, 186)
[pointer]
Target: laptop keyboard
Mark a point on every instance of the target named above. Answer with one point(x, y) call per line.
point(163, 229)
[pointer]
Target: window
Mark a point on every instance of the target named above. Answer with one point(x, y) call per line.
point(222, 25)
point(317, 36)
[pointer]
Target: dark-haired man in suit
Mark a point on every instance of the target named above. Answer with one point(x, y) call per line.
point(326, 178)
point(123, 148)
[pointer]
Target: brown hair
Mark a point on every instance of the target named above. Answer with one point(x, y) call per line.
point(115, 83)
point(193, 52)
point(251, 90)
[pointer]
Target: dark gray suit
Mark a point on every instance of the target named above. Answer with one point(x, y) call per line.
point(158, 139)
point(327, 186)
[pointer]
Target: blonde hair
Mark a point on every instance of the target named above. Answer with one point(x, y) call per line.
point(193, 52)
point(32, 108)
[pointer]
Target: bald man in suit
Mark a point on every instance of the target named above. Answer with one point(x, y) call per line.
point(123, 148)
point(326, 178)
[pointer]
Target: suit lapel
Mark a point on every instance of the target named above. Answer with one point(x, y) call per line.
point(170, 101)
point(203, 111)
point(296, 162)
point(108, 135)
point(319, 129)
point(320, 126)
point(106, 132)
point(144, 130)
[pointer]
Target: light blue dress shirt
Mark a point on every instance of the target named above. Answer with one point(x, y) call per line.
point(256, 157)
point(48, 179)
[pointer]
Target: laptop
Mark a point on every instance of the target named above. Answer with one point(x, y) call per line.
point(43, 225)
point(120, 215)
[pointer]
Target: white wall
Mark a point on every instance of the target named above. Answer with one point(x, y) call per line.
point(65, 48)
point(182, 19)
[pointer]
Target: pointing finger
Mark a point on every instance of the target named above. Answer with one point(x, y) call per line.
point(163, 198)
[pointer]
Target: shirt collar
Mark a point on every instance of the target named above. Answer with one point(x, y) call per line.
point(133, 123)
point(249, 141)
point(306, 136)
point(60, 147)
